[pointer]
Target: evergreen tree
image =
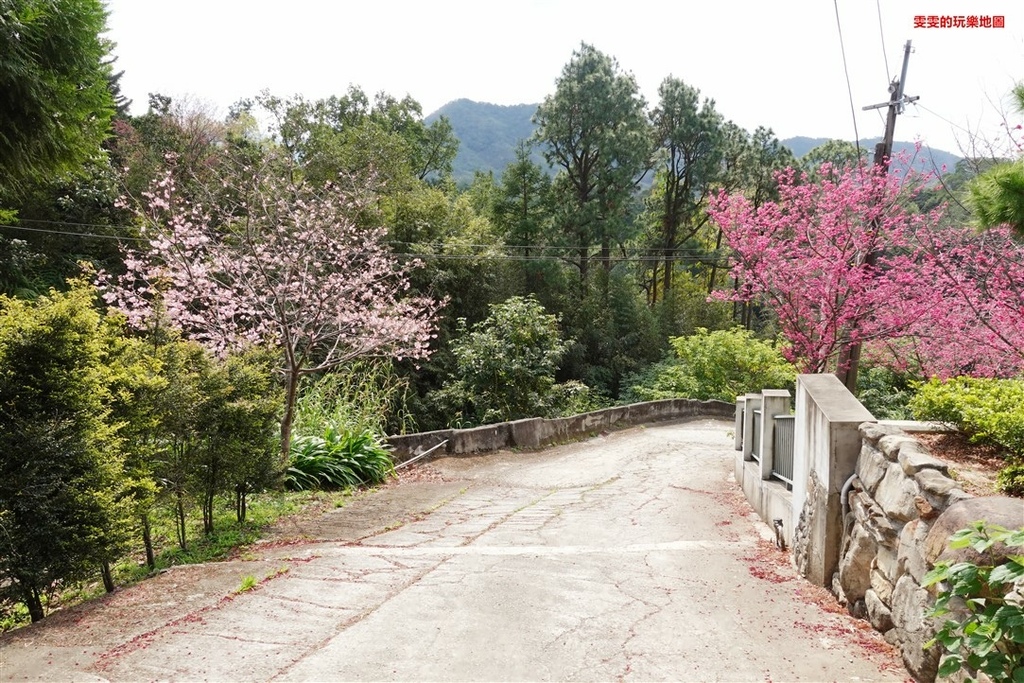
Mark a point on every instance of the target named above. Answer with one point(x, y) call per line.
point(594, 131)
point(63, 500)
point(55, 101)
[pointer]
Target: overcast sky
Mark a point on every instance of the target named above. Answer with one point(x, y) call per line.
point(777, 64)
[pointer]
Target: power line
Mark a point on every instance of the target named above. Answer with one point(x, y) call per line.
point(707, 258)
point(881, 33)
point(77, 225)
point(648, 251)
point(846, 70)
point(66, 233)
point(942, 182)
point(940, 116)
point(652, 251)
point(636, 255)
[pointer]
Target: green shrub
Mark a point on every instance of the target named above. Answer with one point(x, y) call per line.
point(504, 366)
point(64, 494)
point(985, 631)
point(572, 398)
point(339, 459)
point(885, 393)
point(989, 411)
point(715, 365)
point(1011, 478)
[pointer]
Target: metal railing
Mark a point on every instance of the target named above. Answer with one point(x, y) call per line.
point(782, 463)
point(755, 441)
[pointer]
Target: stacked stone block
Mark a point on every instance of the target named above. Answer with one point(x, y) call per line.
point(897, 493)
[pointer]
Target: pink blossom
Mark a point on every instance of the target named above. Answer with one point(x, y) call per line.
point(938, 300)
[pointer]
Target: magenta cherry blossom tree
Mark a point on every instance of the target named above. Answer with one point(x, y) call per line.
point(976, 280)
point(806, 256)
point(942, 300)
point(273, 261)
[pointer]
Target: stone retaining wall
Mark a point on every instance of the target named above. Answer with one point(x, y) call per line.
point(536, 432)
point(873, 511)
point(898, 490)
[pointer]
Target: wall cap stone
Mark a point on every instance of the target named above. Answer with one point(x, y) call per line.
point(540, 432)
point(873, 431)
point(833, 399)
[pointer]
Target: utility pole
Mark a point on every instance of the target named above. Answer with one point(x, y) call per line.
point(896, 104)
point(849, 355)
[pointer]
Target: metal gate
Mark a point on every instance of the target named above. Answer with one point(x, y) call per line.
point(755, 438)
point(782, 463)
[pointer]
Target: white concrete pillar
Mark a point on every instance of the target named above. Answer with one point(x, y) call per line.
point(825, 450)
point(741, 402)
point(752, 403)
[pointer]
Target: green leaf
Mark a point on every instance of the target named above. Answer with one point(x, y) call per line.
point(962, 538)
point(1006, 573)
point(950, 642)
point(950, 665)
point(938, 573)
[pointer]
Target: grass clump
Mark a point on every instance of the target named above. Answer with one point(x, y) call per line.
point(339, 459)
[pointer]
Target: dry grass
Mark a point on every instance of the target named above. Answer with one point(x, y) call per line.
point(974, 466)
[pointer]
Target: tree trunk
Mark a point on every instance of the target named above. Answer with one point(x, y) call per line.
point(241, 492)
point(108, 577)
point(209, 498)
point(147, 541)
point(34, 603)
point(584, 266)
point(291, 393)
point(714, 264)
point(848, 367)
point(670, 230)
point(180, 521)
point(652, 297)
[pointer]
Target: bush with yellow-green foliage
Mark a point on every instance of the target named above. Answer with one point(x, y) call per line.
point(64, 498)
point(989, 411)
point(715, 365)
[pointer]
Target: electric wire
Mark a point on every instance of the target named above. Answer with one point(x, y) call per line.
point(940, 116)
point(653, 251)
point(638, 255)
point(881, 33)
point(846, 70)
point(65, 233)
point(942, 182)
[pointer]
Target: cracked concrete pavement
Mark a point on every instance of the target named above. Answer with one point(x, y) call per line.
point(630, 556)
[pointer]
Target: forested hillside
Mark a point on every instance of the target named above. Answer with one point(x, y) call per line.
point(197, 310)
point(488, 135)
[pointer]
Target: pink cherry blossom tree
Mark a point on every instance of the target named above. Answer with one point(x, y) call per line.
point(806, 256)
point(937, 300)
point(976, 280)
point(273, 260)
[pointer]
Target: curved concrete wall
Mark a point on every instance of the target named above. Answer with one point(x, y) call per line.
point(538, 431)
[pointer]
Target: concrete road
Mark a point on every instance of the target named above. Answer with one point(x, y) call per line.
point(626, 557)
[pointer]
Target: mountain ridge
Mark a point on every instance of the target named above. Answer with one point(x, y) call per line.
point(489, 134)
